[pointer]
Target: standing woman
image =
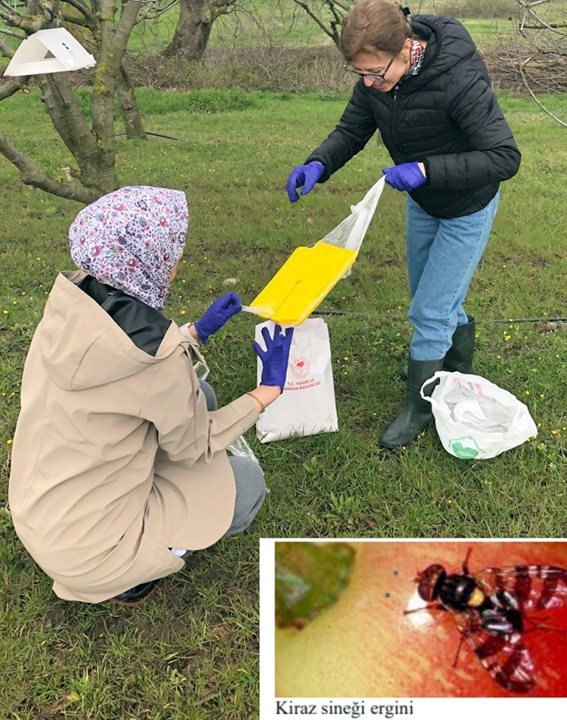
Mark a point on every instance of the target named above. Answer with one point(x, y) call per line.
point(424, 86)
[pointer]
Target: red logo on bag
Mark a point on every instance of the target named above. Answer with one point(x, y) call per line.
point(300, 367)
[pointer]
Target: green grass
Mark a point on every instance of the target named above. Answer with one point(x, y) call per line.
point(192, 652)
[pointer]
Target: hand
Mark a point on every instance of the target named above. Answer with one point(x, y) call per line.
point(304, 176)
point(407, 176)
point(217, 315)
point(275, 357)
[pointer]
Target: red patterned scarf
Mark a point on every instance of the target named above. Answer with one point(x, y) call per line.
point(416, 57)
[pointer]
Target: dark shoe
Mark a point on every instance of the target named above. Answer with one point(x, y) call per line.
point(460, 355)
point(416, 414)
point(135, 595)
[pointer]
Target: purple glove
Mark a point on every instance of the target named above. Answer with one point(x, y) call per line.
point(304, 176)
point(275, 357)
point(217, 314)
point(407, 176)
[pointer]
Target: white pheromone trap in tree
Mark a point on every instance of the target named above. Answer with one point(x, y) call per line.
point(49, 51)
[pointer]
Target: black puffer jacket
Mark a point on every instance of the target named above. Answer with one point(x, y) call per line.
point(446, 116)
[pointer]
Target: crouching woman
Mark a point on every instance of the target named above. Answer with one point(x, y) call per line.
point(119, 463)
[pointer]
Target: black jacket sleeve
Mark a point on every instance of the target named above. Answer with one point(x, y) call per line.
point(493, 155)
point(355, 128)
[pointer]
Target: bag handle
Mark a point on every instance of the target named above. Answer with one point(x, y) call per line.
point(438, 375)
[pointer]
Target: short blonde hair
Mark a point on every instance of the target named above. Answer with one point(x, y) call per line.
point(374, 25)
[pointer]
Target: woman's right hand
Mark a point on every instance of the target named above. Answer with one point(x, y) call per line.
point(275, 357)
point(217, 315)
point(305, 176)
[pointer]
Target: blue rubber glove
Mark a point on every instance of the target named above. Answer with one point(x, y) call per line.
point(407, 176)
point(275, 357)
point(217, 314)
point(304, 176)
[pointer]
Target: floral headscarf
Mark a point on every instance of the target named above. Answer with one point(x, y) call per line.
point(131, 239)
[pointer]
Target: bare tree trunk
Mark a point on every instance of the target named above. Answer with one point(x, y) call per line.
point(60, 102)
point(196, 18)
point(129, 107)
point(193, 30)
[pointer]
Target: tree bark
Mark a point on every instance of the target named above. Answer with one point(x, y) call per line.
point(193, 30)
point(32, 174)
point(196, 18)
point(97, 169)
point(129, 107)
point(12, 86)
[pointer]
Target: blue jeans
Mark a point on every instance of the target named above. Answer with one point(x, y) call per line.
point(442, 256)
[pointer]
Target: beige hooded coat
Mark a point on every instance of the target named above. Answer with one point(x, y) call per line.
point(115, 457)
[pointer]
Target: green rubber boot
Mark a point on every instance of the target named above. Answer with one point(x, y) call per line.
point(416, 414)
point(459, 357)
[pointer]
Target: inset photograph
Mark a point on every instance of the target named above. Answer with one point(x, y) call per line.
point(419, 619)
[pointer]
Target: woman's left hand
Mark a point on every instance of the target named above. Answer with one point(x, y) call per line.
point(407, 176)
point(217, 315)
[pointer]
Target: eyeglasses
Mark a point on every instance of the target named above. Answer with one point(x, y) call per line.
point(377, 78)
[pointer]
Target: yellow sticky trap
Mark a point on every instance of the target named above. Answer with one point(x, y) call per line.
point(302, 282)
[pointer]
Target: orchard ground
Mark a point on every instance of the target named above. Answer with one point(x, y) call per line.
point(192, 651)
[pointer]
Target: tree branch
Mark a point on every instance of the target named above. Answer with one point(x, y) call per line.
point(112, 48)
point(66, 116)
point(82, 8)
point(72, 14)
point(153, 11)
point(9, 8)
point(533, 4)
point(544, 24)
point(127, 21)
point(528, 88)
point(12, 86)
point(129, 107)
point(221, 7)
point(332, 5)
point(312, 15)
point(73, 19)
point(539, 27)
point(33, 175)
point(6, 50)
point(346, 6)
point(28, 23)
point(11, 33)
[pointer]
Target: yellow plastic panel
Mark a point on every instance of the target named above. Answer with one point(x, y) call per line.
point(302, 283)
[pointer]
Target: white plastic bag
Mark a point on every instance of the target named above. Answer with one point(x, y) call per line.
point(241, 448)
point(307, 404)
point(476, 419)
point(350, 233)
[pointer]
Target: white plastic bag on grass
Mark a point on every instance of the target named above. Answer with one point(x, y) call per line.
point(476, 419)
point(307, 404)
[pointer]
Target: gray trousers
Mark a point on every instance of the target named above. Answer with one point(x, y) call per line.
point(249, 478)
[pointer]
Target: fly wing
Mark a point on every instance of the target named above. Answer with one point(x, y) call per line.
point(537, 587)
point(502, 655)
